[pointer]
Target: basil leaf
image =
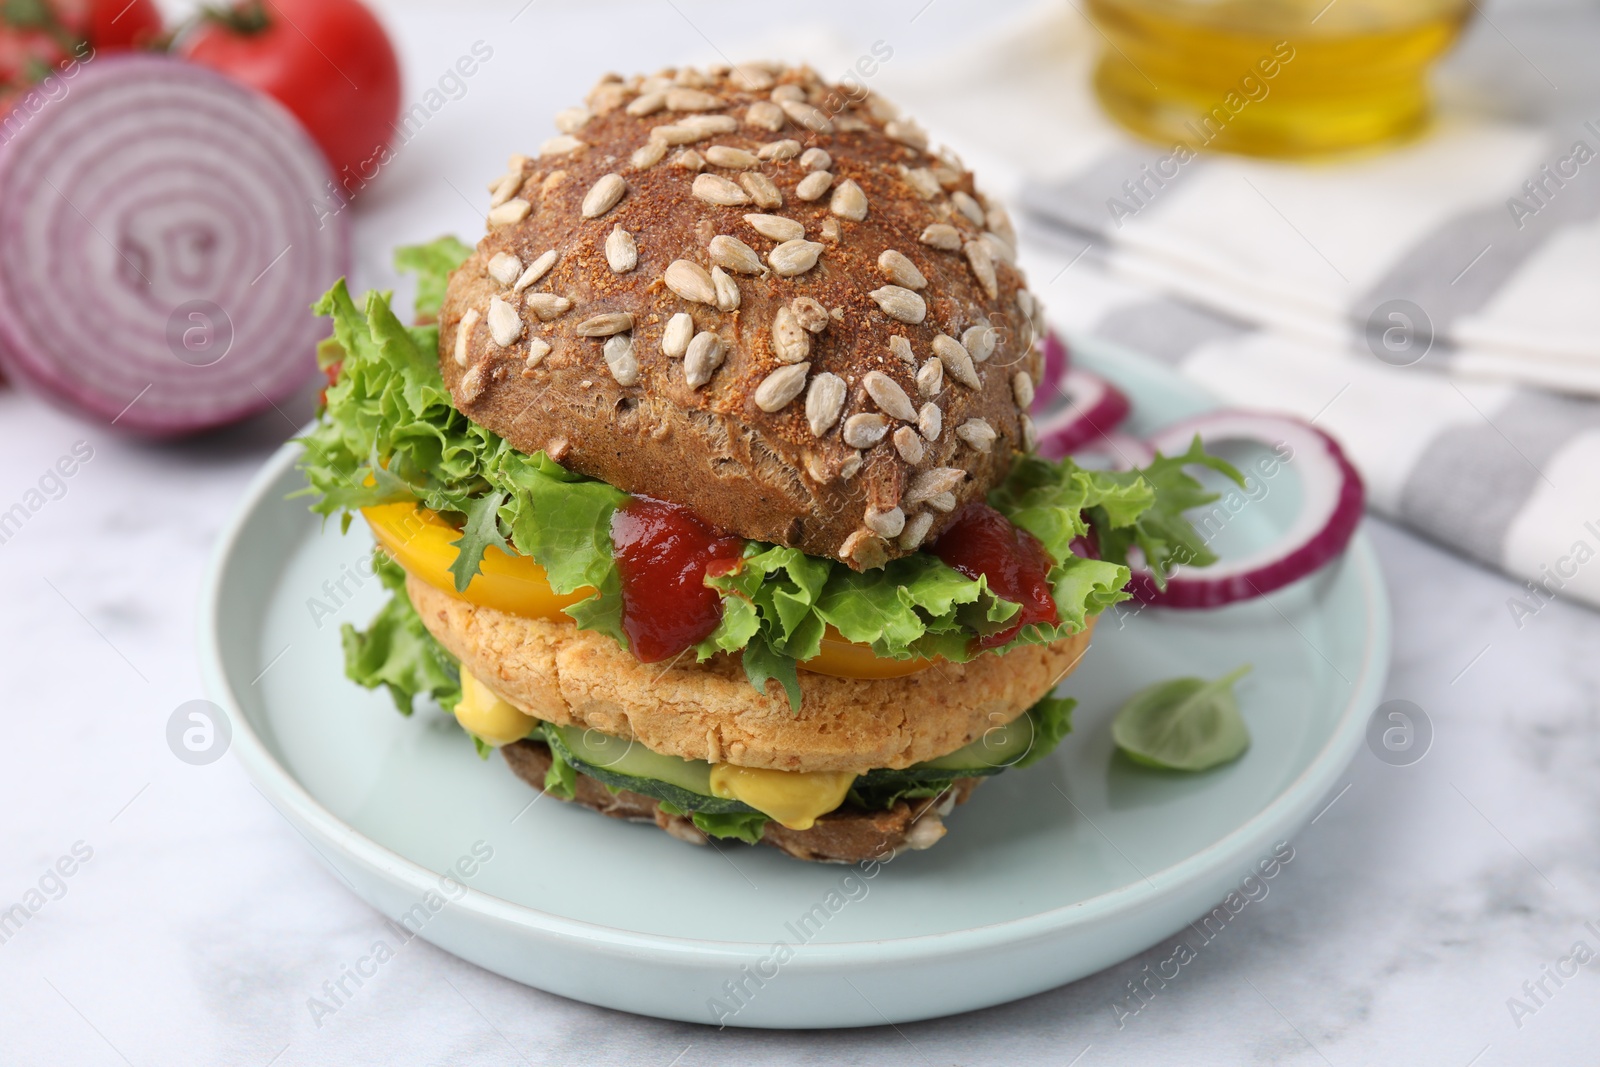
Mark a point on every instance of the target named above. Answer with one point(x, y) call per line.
point(1184, 724)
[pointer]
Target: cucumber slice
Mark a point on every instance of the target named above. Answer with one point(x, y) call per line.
point(624, 764)
point(998, 749)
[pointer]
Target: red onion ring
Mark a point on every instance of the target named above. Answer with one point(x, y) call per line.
point(163, 233)
point(1083, 409)
point(1332, 499)
point(1056, 361)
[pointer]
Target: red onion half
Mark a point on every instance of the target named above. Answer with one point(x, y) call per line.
point(163, 233)
point(1082, 409)
point(1331, 501)
point(1056, 361)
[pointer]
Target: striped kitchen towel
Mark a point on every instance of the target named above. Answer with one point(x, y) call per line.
point(1436, 307)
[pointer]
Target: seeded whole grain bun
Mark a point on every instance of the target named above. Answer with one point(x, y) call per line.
point(756, 295)
point(557, 673)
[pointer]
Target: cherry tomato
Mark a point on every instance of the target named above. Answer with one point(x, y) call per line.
point(328, 61)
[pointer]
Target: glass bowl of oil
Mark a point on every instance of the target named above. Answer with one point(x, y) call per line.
point(1282, 78)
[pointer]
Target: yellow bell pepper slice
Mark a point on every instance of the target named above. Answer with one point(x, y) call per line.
point(421, 542)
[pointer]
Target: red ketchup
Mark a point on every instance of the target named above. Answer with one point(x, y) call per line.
point(663, 553)
point(981, 541)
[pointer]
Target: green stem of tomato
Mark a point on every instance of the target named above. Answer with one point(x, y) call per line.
point(248, 17)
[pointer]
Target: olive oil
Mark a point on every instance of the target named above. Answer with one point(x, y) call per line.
point(1286, 78)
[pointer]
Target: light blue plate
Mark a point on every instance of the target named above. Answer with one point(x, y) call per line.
point(1047, 875)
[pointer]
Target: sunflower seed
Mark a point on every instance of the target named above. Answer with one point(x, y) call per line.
point(866, 549)
point(765, 115)
point(816, 159)
point(622, 255)
point(790, 342)
point(751, 78)
point(942, 235)
point(900, 270)
point(851, 466)
point(945, 502)
point(537, 350)
point(717, 190)
point(781, 386)
point(922, 181)
point(787, 92)
point(504, 267)
point(536, 270)
point(691, 281)
point(691, 77)
point(916, 529)
point(886, 524)
point(977, 433)
point(879, 108)
point(709, 125)
point(906, 132)
point(689, 159)
point(509, 213)
point(979, 341)
point(472, 384)
point(831, 230)
point(702, 358)
point(646, 104)
point(560, 146)
point(887, 394)
point(930, 420)
point(901, 349)
point(606, 97)
point(931, 483)
point(505, 325)
point(603, 196)
point(849, 202)
point(810, 314)
point(605, 324)
point(968, 207)
point(719, 155)
point(648, 154)
point(1030, 436)
point(908, 443)
point(675, 338)
point(681, 99)
point(1000, 222)
point(957, 360)
point(813, 185)
point(620, 360)
point(900, 303)
point(864, 430)
point(1025, 303)
point(982, 265)
point(761, 189)
point(572, 119)
point(998, 248)
point(812, 118)
point(779, 151)
point(776, 227)
point(505, 188)
point(548, 306)
point(727, 290)
point(1022, 389)
point(735, 255)
point(464, 328)
point(824, 402)
point(794, 257)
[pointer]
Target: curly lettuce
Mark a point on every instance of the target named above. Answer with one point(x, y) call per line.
point(388, 432)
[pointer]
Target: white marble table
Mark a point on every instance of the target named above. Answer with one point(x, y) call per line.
point(1419, 902)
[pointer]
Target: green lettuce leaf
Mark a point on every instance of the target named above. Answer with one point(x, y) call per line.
point(747, 826)
point(1052, 720)
point(397, 652)
point(432, 264)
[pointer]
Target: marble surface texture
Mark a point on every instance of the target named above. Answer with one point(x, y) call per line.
point(1420, 901)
